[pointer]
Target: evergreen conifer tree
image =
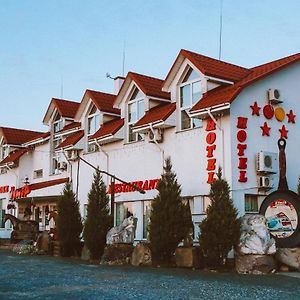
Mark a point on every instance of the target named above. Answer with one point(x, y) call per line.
point(220, 230)
point(169, 222)
point(98, 220)
point(298, 186)
point(69, 224)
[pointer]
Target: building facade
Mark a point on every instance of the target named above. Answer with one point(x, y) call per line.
point(205, 114)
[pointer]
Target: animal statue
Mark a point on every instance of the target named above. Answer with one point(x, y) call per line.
point(255, 236)
point(124, 233)
point(22, 230)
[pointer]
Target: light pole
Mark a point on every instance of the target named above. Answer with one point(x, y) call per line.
point(113, 179)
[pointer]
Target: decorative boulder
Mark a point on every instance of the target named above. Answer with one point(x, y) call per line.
point(256, 248)
point(289, 257)
point(24, 248)
point(255, 264)
point(141, 255)
point(117, 254)
point(43, 243)
point(187, 257)
point(124, 233)
point(85, 253)
point(255, 236)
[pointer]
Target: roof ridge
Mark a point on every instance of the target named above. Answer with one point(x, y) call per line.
point(99, 92)
point(142, 75)
point(28, 130)
point(65, 100)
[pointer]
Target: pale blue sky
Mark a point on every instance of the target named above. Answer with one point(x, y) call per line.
point(79, 41)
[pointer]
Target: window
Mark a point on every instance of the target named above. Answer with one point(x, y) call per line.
point(2, 213)
point(93, 122)
point(4, 151)
point(38, 173)
point(251, 203)
point(136, 109)
point(146, 218)
point(123, 211)
point(190, 93)
point(205, 203)
point(58, 123)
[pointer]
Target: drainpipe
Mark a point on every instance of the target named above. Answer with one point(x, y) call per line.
point(158, 146)
point(222, 138)
point(107, 160)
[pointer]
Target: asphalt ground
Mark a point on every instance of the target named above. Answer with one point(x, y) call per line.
point(45, 277)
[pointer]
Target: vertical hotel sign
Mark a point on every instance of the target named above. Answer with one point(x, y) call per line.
point(210, 150)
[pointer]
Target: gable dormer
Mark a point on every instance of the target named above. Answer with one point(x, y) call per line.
point(138, 95)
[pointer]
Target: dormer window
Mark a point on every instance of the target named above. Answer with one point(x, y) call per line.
point(4, 152)
point(58, 123)
point(93, 122)
point(190, 92)
point(136, 109)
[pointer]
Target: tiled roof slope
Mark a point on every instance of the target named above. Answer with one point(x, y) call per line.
point(66, 108)
point(44, 184)
point(155, 114)
point(13, 156)
point(14, 136)
point(104, 101)
point(227, 94)
point(150, 86)
point(71, 140)
point(108, 128)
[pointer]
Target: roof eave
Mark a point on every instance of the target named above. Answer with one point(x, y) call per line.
point(214, 108)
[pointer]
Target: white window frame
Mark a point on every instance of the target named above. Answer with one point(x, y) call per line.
point(4, 151)
point(59, 124)
point(186, 108)
point(138, 136)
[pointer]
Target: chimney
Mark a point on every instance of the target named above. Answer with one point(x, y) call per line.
point(118, 83)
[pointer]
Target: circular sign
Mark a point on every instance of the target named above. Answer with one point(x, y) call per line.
point(279, 114)
point(282, 211)
point(268, 111)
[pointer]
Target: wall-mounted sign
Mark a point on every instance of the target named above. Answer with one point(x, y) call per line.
point(145, 185)
point(4, 189)
point(241, 147)
point(22, 192)
point(210, 149)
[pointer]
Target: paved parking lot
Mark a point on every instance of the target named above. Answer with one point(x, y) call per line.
point(43, 277)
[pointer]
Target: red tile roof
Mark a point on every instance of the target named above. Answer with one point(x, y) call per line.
point(227, 94)
point(103, 101)
point(44, 184)
point(108, 128)
point(66, 108)
point(43, 135)
point(156, 114)
point(13, 156)
point(14, 136)
point(70, 126)
point(215, 68)
point(150, 86)
point(71, 140)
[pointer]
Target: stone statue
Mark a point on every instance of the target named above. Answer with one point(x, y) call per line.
point(255, 236)
point(124, 233)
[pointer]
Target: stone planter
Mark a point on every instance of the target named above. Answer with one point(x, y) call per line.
point(117, 254)
point(289, 257)
point(141, 255)
point(255, 264)
point(187, 257)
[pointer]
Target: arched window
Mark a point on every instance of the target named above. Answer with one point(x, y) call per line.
point(136, 109)
point(190, 93)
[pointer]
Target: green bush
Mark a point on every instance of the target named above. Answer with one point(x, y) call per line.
point(98, 220)
point(68, 222)
point(170, 221)
point(220, 230)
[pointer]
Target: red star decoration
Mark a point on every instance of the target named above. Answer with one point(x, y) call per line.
point(283, 132)
point(265, 129)
point(291, 117)
point(255, 109)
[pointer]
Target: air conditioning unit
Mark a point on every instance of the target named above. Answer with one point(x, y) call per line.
point(267, 162)
point(92, 148)
point(265, 182)
point(62, 165)
point(155, 136)
point(72, 155)
point(274, 96)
